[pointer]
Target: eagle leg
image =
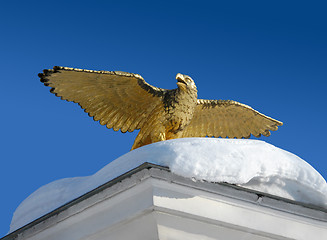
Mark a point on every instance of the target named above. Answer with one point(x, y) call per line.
point(145, 139)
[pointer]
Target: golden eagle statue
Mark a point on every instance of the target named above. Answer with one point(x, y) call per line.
point(125, 101)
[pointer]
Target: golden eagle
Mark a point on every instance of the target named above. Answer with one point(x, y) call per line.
point(125, 101)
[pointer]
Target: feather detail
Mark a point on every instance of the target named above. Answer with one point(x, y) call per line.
point(231, 119)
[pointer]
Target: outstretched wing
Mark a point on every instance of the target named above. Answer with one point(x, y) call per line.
point(119, 100)
point(226, 118)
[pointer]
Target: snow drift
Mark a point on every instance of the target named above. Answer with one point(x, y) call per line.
point(251, 164)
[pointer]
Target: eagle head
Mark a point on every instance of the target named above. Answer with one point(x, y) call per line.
point(185, 82)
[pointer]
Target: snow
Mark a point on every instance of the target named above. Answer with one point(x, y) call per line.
point(251, 164)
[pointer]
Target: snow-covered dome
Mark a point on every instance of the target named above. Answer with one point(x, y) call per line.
point(251, 164)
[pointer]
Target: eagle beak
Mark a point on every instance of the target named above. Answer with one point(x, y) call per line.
point(180, 79)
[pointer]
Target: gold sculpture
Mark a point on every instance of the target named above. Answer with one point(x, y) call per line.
point(125, 101)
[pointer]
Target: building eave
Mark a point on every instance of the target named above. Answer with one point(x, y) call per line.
point(146, 171)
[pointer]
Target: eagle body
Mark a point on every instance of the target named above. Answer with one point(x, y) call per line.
point(171, 117)
point(124, 101)
point(179, 106)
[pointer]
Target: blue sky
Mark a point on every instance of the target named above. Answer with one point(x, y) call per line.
point(271, 55)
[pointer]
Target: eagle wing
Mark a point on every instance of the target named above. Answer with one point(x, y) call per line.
point(226, 118)
point(118, 100)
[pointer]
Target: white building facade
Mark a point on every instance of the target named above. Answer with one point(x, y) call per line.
point(150, 202)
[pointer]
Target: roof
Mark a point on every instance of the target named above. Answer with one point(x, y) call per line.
point(149, 170)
